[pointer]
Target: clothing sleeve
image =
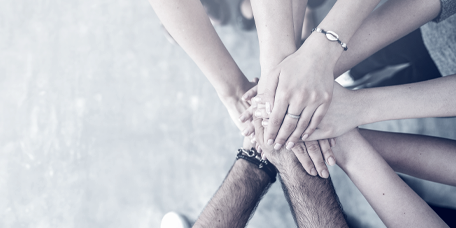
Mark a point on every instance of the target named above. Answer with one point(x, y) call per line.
point(448, 8)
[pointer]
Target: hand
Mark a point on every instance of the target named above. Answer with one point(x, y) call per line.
point(237, 105)
point(345, 113)
point(301, 85)
point(309, 153)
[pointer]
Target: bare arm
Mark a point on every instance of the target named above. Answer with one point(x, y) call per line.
point(425, 157)
point(313, 201)
point(235, 201)
point(349, 109)
point(388, 23)
point(395, 203)
point(187, 22)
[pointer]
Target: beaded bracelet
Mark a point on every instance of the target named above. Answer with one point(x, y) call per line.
point(254, 157)
point(331, 36)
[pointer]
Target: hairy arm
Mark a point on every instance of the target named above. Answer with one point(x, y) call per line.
point(236, 199)
point(313, 200)
point(396, 204)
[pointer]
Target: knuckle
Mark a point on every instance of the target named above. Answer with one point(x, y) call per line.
point(325, 97)
point(275, 122)
point(313, 148)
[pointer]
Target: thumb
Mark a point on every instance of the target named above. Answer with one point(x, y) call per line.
point(318, 134)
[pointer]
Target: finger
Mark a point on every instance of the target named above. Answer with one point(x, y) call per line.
point(289, 125)
point(317, 135)
point(313, 148)
point(332, 142)
point(302, 124)
point(250, 93)
point(328, 154)
point(316, 119)
point(259, 131)
point(300, 152)
point(265, 122)
point(261, 113)
point(275, 121)
point(249, 130)
point(247, 114)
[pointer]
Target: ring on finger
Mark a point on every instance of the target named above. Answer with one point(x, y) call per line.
point(293, 116)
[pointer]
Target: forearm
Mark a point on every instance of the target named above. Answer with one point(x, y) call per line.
point(432, 98)
point(188, 23)
point(275, 27)
point(394, 202)
point(345, 17)
point(388, 23)
point(313, 201)
point(425, 157)
point(237, 198)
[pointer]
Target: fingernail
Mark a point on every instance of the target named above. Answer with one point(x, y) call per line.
point(313, 172)
point(258, 113)
point(242, 118)
point(245, 132)
point(268, 108)
point(331, 161)
point(277, 146)
point(243, 98)
point(324, 173)
point(270, 142)
point(290, 145)
point(263, 156)
point(252, 135)
point(253, 140)
point(256, 99)
point(304, 137)
point(264, 123)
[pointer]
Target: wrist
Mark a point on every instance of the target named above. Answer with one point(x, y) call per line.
point(251, 172)
point(369, 106)
point(322, 49)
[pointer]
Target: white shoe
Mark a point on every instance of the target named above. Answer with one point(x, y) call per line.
point(174, 220)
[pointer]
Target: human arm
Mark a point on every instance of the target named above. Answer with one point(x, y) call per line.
point(425, 157)
point(236, 199)
point(313, 201)
point(188, 23)
point(396, 204)
point(432, 98)
point(306, 77)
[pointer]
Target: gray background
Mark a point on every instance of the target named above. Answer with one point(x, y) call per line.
point(103, 123)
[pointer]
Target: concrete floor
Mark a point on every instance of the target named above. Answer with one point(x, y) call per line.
point(105, 124)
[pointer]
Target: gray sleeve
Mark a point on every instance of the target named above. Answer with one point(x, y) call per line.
point(448, 8)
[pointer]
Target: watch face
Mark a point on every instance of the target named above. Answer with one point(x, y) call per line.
point(332, 36)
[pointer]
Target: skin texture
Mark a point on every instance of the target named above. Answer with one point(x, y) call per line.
point(313, 201)
point(306, 76)
point(395, 203)
point(236, 199)
point(425, 157)
point(389, 22)
point(349, 109)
